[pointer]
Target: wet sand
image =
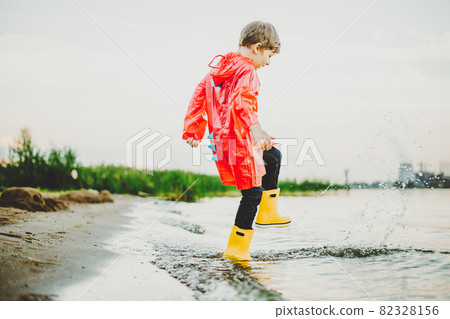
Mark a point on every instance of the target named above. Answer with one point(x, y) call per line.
point(43, 253)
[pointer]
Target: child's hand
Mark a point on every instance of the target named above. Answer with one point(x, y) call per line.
point(262, 138)
point(192, 142)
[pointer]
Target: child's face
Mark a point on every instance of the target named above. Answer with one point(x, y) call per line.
point(261, 57)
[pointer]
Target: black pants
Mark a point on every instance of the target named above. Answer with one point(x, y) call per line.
point(252, 197)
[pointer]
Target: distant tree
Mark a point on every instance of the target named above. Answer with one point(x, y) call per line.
point(29, 165)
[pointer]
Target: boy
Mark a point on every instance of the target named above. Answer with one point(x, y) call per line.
point(228, 97)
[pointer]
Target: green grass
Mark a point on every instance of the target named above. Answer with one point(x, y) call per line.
point(28, 166)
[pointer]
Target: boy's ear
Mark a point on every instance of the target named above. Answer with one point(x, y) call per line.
point(256, 47)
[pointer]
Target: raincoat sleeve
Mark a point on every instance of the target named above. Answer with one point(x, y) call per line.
point(247, 101)
point(195, 120)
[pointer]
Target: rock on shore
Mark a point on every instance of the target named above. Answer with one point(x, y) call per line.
point(30, 199)
point(87, 196)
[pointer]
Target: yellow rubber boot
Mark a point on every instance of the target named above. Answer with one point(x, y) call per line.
point(238, 244)
point(268, 216)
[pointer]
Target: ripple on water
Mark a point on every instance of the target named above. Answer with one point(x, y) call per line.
point(210, 276)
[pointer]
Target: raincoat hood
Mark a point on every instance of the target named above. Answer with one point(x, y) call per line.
point(227, 66)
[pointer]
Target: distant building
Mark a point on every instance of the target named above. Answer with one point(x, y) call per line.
point(444, 168)
point(426, 179)
point(408, 179)
point(424, 167)
point(406, 174)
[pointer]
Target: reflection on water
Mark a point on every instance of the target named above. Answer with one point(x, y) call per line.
point(357, 245)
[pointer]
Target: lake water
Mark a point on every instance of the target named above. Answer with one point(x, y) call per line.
point(345, 245)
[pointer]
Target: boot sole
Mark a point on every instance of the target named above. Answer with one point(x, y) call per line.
point(276, 225)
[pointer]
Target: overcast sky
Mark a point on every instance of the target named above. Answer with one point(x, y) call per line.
point(379, 96)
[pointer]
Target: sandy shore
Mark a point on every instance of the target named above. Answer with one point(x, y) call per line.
point(43, 254)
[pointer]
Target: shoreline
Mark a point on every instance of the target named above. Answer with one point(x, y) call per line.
point(45, 254)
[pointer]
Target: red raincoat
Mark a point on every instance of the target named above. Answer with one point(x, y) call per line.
point(227, 95)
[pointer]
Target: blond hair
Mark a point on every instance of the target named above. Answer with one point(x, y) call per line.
point(262, 32)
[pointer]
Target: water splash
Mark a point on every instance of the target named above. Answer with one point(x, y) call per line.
point(193, 228)
point(378, 219)
point(214, 278)
point(337, 251)
point(210, 276)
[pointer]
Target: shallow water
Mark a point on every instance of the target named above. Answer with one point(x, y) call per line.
point(355, 245)
point(346, 245)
